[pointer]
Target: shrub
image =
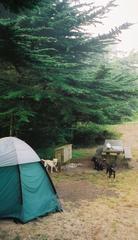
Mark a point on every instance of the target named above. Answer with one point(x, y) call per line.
point(46, 153)
point(86, 134)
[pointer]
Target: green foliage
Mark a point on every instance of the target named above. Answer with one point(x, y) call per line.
point(15, 5)
point(79, 153)
point(52, 75)
point(87, 134)
point(46, 153)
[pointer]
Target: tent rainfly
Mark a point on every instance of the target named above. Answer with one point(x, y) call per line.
point(26, 190)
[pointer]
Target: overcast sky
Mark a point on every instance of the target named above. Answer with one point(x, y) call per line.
point(126, 11)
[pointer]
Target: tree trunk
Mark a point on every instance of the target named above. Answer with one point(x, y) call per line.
point(11, 125)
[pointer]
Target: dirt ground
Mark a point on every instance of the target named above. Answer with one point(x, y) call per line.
point(94, 207)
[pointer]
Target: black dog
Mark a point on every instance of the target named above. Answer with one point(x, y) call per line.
point(110, 170)
point(98, 165)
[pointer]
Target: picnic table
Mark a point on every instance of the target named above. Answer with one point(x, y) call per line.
point(116, 147)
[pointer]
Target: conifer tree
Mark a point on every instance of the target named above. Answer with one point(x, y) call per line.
point(53, 80)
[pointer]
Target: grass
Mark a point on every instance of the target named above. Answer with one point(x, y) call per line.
point(4, 235)
point(82, 153)
point(126, 182)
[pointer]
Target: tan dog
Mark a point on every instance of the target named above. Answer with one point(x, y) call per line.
point(50, 163)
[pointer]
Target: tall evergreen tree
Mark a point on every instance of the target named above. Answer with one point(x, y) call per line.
point(48, 88)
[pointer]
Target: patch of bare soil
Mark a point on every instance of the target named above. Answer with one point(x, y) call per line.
point(76, 191)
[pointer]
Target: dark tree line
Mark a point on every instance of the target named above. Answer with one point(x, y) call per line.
point(16, 6)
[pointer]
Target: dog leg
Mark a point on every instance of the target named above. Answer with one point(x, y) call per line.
point(114, 174)
point(110, 174)
point(51, 169)
point(56, 169)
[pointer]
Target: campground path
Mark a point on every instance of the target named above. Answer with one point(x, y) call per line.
point(129, 135)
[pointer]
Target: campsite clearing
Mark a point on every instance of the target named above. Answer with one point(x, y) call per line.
point(95, 208)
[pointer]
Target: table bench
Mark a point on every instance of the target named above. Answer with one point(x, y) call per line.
point(127, 153)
